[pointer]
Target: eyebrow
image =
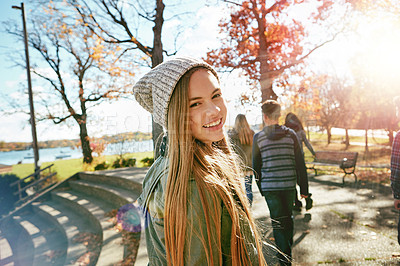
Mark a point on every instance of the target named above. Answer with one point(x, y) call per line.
point(197, 98)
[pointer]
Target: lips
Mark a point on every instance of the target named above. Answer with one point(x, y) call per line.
point(213, 124)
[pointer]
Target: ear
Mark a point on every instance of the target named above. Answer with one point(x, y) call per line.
point(265, 118)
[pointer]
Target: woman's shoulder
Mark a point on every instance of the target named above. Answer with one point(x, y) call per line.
point(155, 179)
point(158, 168)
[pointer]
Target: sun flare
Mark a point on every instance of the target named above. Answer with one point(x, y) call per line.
point(378, 51)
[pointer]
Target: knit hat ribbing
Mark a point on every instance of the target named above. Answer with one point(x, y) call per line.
point(153, 91)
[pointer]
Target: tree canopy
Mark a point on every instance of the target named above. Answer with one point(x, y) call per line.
point(264, 39)
point(77, 69)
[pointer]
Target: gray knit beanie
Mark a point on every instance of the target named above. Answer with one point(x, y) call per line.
point(153, 91)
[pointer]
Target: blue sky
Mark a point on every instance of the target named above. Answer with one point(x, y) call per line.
point(9, 76)
point(7, 44)
point(111, 118)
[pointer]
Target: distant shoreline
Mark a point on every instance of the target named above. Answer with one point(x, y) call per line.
point(22, 146)
point(59, 153)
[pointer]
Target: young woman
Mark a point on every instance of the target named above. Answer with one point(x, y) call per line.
point(242, 139)
point(196, 210)
point(293, 122)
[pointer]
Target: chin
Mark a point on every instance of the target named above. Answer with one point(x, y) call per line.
point(212, 140)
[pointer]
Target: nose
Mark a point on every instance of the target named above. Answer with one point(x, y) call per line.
point(212, 109)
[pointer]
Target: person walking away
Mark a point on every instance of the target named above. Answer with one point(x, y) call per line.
point(293, 122)
point(241, 136)
point(395, 167)
point(278, 164)
point(195, 208)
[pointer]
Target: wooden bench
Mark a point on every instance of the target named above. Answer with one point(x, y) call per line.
point(344, 159)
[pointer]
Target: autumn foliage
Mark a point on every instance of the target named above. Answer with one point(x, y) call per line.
point(263, 39)
point(82, 70)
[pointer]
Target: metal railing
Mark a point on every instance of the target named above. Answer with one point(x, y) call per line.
point(33, 190)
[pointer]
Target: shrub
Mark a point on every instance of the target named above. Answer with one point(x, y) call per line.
point(123, 162)
point(148, 161)
point(7, 197)
point(101, 166)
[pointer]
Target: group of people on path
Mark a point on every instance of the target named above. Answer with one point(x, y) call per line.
point(276, 156)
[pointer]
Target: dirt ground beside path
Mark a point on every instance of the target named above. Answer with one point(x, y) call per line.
point(351, 224)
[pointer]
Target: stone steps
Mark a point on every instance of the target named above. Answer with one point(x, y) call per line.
point(112, 250)
point(6, 253)
point(60, 228)
point(19, 242)
point(49, 242)
point(75, 227)
point(113, 194)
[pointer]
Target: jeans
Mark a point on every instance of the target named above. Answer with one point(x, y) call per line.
point(398, 231)
point(280, 205)
point(248, 179)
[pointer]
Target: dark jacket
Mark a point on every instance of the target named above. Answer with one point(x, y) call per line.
point(303, 139)
point(278, 161)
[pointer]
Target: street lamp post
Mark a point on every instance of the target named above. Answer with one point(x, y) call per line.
point(32, 111)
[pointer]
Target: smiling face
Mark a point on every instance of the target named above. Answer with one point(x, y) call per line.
point(207, 109)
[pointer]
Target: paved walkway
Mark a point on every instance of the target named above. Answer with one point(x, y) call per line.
point(354, 224)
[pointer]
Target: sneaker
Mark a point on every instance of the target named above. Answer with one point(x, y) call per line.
point(309, 202)
point(297, 205)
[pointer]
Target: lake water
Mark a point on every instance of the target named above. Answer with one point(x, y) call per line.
point(48, 155)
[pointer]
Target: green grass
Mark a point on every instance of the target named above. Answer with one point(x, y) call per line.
point(378, 148)
point(67, 168)
point(322, 137)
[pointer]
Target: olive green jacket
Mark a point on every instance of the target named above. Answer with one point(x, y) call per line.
point(152, 201)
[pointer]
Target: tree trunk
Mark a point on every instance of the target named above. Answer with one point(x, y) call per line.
point(266, 79)
point(267, 93)
point(366, 141)
point(328, 132)
point(391, 138)
point(85, 142)
point(347, 141)
point(156, 59)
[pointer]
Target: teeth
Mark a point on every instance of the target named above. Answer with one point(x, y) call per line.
point(213, 124)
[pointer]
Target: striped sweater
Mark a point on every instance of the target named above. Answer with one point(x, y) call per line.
point(278, 162)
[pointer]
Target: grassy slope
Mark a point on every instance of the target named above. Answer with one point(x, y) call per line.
point(66, 168)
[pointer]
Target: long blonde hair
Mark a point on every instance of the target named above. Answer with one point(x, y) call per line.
point(243, 129)
point(216, 175)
